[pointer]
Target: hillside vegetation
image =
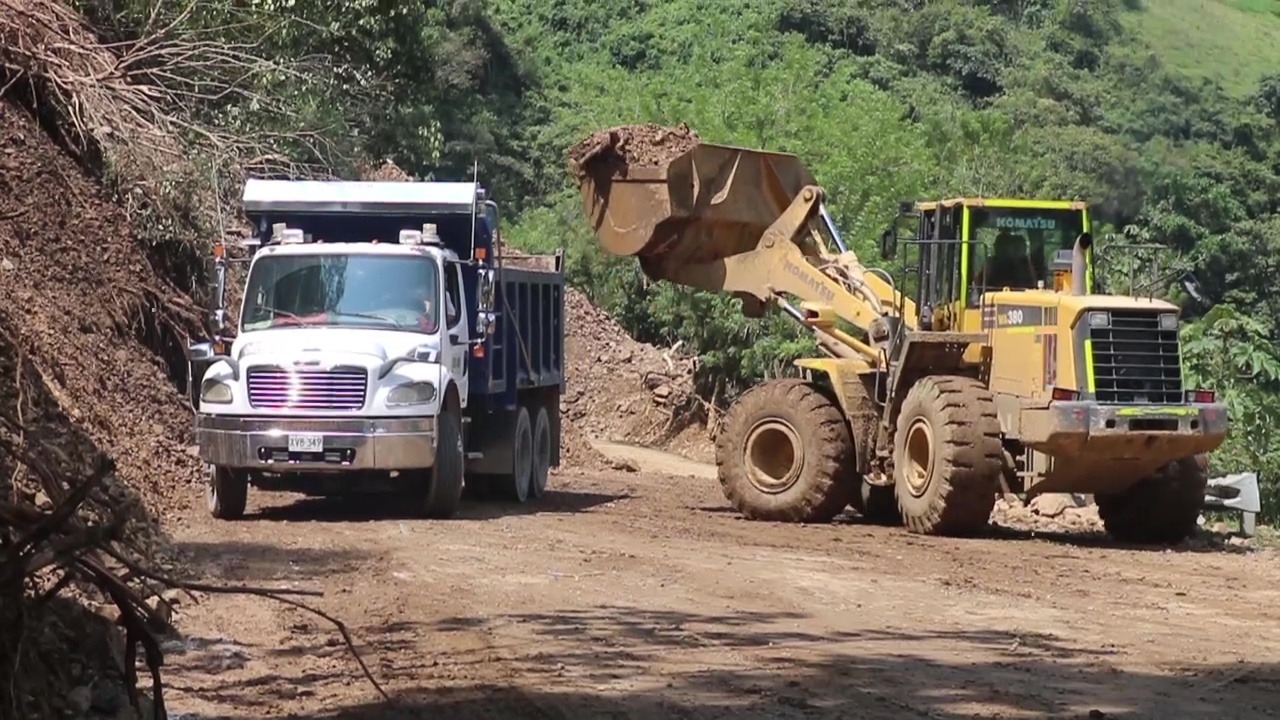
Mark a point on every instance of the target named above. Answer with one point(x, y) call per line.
point(1234, 42)
point(1118, 102)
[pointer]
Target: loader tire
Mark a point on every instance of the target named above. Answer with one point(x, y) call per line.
point(783, 452)
point(878, 505)
point(1160, 509)
point(947, 456)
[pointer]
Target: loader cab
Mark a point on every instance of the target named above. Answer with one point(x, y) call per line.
point(962, 249)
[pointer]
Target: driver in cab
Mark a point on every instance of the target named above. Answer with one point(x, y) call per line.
point(1009, 264)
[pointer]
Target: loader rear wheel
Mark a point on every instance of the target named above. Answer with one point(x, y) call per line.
point(878, 505)
point(1160, 509)
point(782, 454)
point(947, 456)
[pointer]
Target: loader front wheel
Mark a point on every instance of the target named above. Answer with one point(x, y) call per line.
point(947, 456)
point(782, 454)
point(1160, 509)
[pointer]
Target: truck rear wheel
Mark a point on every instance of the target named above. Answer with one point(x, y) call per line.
point(1160, 509)
point(444, 488)
point(783, 453)
point(947, 456)
point(514, 486)
point(227, 492)
point(540, 469)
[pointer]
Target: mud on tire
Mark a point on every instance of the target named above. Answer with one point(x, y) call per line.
point(782, 454)
point(947, 456)
point(1160, 509)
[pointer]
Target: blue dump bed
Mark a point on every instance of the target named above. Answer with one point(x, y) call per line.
point(526, 350)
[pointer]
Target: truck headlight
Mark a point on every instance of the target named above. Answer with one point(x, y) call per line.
point(215, 392)
point(414, 393)
point(1168, 321)
point(1099, 319)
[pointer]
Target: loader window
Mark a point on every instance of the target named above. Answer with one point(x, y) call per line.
point(373, 291)
point(1012, 247)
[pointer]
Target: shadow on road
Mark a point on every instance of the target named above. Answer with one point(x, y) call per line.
point(232, 560)
point(1203, 542)
point(624, 662)
point(384, 507)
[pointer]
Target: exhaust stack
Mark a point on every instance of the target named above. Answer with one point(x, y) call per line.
point(1079, 256)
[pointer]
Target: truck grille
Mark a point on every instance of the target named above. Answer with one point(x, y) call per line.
point(1135, 362)
point(286, 389)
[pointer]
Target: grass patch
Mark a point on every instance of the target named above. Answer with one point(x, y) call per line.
point(1235, 42)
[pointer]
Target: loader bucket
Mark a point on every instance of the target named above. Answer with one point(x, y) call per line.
point(706, 204)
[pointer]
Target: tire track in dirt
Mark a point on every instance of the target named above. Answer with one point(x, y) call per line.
point(638, 596)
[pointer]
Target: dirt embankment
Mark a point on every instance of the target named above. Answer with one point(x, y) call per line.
point(81, 310)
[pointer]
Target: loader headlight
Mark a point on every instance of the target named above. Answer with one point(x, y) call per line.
point(414, 393)
point(215, 392)
point(1169, 321)
point(1099, 319)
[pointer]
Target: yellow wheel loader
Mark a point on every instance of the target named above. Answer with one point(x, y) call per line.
point(982, 364)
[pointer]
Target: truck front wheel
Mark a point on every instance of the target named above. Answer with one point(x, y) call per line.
point(444, 490)
point(227, 492)
point(783, 453)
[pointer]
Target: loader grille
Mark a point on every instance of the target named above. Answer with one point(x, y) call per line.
point(1135, 362)
point(294, 389)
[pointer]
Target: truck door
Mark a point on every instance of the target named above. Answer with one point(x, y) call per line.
point(454, 350)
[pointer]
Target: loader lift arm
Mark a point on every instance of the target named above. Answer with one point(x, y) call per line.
point(728, 219)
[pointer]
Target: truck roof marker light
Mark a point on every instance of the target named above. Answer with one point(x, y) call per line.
point(410, 237)
point(292, 236)
point(429, 234)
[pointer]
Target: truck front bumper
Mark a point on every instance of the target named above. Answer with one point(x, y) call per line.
point(346, 444)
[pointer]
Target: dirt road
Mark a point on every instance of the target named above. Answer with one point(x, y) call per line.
point(641, 596)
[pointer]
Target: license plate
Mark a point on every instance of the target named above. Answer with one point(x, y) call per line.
point(306, 443)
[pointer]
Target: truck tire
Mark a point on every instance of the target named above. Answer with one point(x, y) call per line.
point(514, 486)
point(783, 453)
point(1160, 509)
point(227, 492)
point(444, 481)
point(541, 465)
point(947, 456)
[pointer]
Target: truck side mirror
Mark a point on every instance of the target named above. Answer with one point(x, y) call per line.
point(218, 321)
point(199, 357)
point(889, 243)
point(485, 289)
point(485, 324)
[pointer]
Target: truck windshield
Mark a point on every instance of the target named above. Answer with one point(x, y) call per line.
point(1013, 247)
point(397, 293)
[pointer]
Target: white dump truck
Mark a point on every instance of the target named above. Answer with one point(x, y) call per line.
point(384, 344)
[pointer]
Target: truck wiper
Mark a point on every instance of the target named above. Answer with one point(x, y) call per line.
point(275, 312)
point(371, 316)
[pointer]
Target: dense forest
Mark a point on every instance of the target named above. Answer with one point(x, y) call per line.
point(884, 100)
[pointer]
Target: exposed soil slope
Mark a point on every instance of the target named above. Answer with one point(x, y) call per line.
point(74, 289)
